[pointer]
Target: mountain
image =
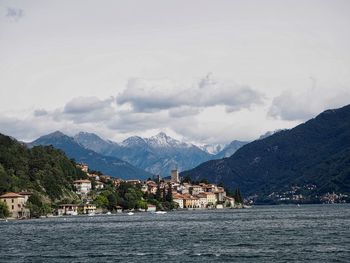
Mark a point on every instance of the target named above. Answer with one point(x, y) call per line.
point(108, 165)
point(230, 149)
point(41, 169)
point(316, 153)
point(158, 154)
point(212, 148)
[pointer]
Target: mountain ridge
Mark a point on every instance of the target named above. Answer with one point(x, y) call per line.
point(301, 155)
point(109, 165)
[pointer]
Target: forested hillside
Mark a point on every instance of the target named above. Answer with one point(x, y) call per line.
point(41, 169)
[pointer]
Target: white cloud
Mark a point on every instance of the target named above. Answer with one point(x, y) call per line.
point(303, 105)
point(144, 95)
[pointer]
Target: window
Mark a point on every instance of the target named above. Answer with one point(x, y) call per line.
point(13, 200)
point(13, 207)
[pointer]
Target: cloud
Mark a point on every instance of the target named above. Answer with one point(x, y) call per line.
point(147, 96)
point(40, 112)
point(87, 109)
point(14, 14)
point(183, 111)
point(306, 104)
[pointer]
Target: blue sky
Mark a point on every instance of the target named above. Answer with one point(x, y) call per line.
point(202, 71)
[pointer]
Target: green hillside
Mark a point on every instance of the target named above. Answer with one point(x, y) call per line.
point(42, 169)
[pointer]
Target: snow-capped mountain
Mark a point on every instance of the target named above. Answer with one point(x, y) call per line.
point(212, 148)
point(230, 149)
point(158, 154)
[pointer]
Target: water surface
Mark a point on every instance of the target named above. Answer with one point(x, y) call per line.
point(310, 233)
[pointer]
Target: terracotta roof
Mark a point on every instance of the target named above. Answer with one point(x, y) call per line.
point(82, 181)
point(11, 195)
point(25, 193)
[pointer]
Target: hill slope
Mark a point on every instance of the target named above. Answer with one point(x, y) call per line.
point(108, 165)
point(316, 152)
point(42, 169)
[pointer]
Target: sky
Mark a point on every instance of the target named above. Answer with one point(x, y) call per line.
point(201, 71)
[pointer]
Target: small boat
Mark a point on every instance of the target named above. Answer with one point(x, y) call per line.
point(160, 212)
point(130, 213)
point(108, 213)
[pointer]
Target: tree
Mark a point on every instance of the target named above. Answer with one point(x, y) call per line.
point(158, 193)
point(169, 196)
point(101, 201)
point(164, 194)
point(4, 210)
point(36, 207)
point(238, 196)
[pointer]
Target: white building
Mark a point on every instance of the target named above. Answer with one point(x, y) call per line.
point(67, 209)
point(82, 186)
point(179, 199)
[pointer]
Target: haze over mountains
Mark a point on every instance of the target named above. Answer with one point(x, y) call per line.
point(316, 152)
point(158, 154)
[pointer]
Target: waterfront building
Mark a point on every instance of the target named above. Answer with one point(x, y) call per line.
point(229, 201)
point(179, 199)
point(16, 204)
point(88, 209)
point(67, 209)
point(203, 201)
point(211, 198)
point(220, 194)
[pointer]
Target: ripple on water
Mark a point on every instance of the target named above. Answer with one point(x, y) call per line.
point(312, 233)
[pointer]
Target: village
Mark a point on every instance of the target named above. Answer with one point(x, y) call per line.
point(184, 195)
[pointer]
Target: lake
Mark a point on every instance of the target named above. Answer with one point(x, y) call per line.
point(309, 233)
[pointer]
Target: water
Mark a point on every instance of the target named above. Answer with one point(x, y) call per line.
point(310, 233)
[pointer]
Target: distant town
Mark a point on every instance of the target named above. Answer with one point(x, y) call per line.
point(175, 193)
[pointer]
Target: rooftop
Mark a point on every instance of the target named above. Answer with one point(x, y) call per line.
point(11, 195)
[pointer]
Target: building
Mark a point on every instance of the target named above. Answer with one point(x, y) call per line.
point(99, 185)
point(175, 176)
point(88, 209)
point(211, 198)
point(203, 201)
point(190, 201)
point(179, 199)
point(82, 186)
point(84, 167)
point(229, 201)
point(67, 209)
point(16, 204)
point(196, 189)
point(220, 194)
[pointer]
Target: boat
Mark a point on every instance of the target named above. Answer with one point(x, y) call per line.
point(108, 213)
point(160, 212)
point(130, 213)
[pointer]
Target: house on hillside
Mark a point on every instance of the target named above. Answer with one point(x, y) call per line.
point(82, 187)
